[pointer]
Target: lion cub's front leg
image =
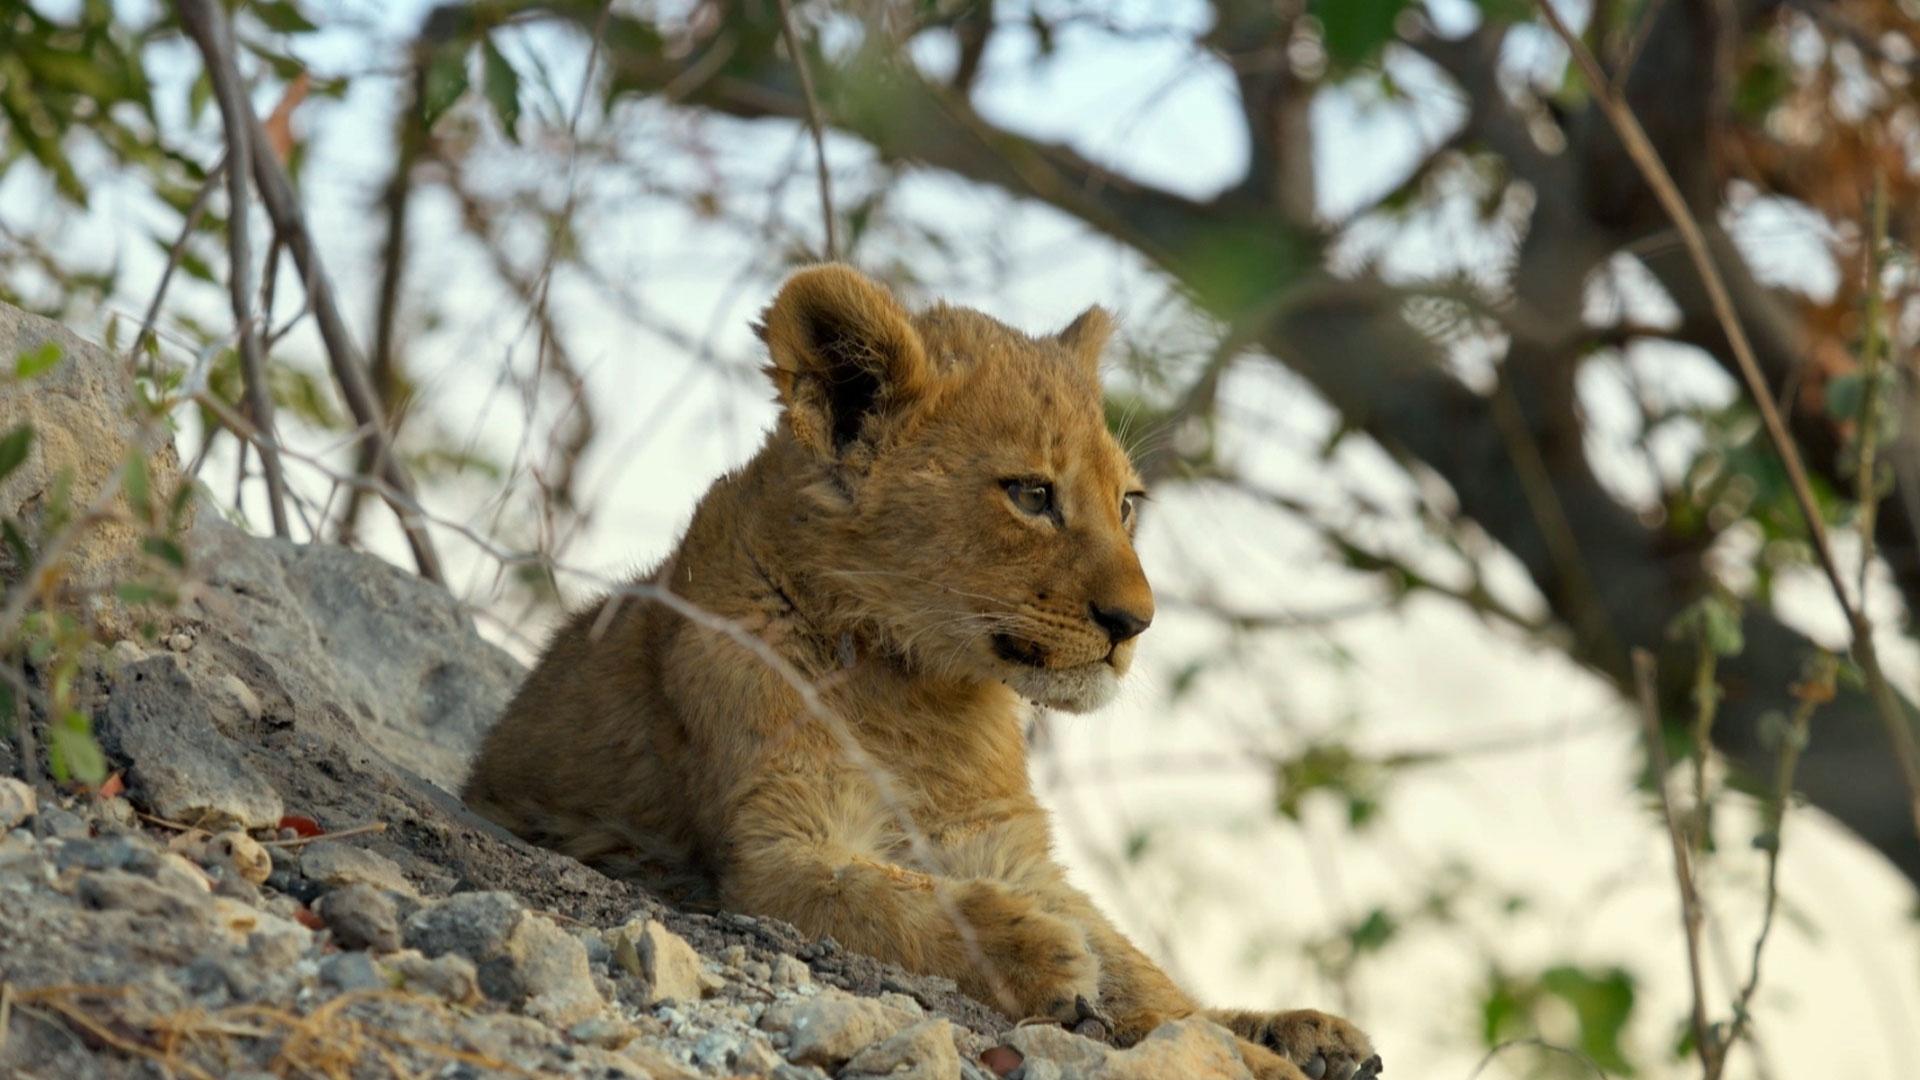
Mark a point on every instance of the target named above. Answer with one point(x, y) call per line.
point(804, 851)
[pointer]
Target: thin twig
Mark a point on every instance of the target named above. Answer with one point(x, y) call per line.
point(1813, 691)
point(1645, 676)
point(206, 22)
point(1867, 488)
point(813, 121)
point(191, 221)
point(1893, 714)
point(1706, 702)
point(1537, 1044)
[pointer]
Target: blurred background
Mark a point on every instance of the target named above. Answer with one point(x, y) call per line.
point(1442, 423)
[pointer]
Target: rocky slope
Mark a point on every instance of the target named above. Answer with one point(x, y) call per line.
point(280, 884)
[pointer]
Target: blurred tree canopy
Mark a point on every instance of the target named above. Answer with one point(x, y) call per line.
point(1474, 375)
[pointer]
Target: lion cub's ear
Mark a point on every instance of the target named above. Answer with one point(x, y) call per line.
point(843, 353)
point(1086, 335)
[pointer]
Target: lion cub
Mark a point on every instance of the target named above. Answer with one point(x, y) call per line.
point(939, 527)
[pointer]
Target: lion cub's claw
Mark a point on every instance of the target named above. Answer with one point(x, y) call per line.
point(1090, 1022)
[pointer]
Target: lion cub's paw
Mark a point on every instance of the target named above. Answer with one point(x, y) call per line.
point(1040, 960)
point(1323, 1047)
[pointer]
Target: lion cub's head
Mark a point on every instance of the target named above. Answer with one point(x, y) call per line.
point(966, 504)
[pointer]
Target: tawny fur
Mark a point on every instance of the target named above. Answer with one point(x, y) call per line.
point(873, 543)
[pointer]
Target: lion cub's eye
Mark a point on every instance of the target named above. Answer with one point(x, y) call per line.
point(1031, 496)
point(1130, 506)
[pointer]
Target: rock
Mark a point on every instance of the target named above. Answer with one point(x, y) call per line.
point(182, 768)
point(1192, 1047)
point(521, 958)
point(924, 1051)
point(127, 853)
point(673, 971)
point(828, 1029)
point(120, 891)
point(602, 1032)
point(1074, 1055)
point(451, 977)
point(475, 925)
point(85, 418)
point(17, 803)
point(241, 855)
point(333, 863)
point(791, 973)
point(319, 633)
point(361, 917)
point(551, 966)
point(60, 822)
point(177, 872)
point(348, 971)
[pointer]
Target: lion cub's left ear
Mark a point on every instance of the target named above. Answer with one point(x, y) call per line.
point(1086, 336)
point(844, 356)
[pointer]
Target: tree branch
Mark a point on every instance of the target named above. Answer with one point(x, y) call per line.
point(207, 25)
point(343, 356)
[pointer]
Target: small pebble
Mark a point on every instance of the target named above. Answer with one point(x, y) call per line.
point(241, 854)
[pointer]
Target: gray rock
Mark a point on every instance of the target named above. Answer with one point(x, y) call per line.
point(62, 823)
point(475, 925)
point(361, 917)
point(182, 767)
point(521, 959)
point(121, 891)
point(109, 853)
point(347, 971)
point(314, 629)
point(451, 977)
point(84, 414)
point(333, 863)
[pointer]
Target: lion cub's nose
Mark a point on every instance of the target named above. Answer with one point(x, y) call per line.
point(1119, 623)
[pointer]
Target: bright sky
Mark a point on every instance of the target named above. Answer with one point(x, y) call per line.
point(1552, 816)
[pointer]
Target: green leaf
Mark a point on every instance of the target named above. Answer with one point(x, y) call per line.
point(165, 550)
point(1373, 932)
point(281, 15)
point(1354, 30)
point(138, 487)
point(38, 361)
point(502, 87)
point(199, 95)
point(13, 448)
point(72, 751)
point(1602, 1002)
point(446, 81)
point(17, 544)
point(1504, 11)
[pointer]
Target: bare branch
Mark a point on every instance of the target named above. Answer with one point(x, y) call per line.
point(801, 66)
point(207, 24)
point(189, 222)
point(343, 356)
point(1646, 678)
